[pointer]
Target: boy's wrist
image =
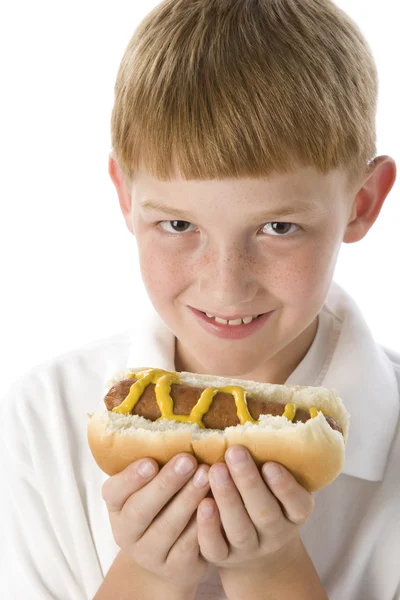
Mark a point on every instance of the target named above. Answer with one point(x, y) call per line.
point(155, 586)
point(168, 591)
point(295, 579)
point(126, 580)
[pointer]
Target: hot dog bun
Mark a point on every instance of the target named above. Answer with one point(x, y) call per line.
point(312, 451)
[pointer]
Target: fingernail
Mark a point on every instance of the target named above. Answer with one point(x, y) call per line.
point(235, 456)
point(183, 465)
point(206, 510)
point(272, 472)
point(200, 478)
point(146, 469)
point(220, 475)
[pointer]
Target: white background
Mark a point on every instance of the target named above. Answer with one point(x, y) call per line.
point(68, 266)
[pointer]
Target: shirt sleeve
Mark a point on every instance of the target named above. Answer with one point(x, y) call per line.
point(32, 562)
point(40, 557)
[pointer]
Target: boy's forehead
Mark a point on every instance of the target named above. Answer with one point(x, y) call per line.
point(300, 184)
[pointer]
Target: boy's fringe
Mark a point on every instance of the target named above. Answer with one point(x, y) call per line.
point(244, 88)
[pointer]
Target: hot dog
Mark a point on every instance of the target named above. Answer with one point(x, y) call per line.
point(156, 413)
point(221, 414)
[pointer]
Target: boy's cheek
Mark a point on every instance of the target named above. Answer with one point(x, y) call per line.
point(303, 276)
point(310, 272)
point(304, 279)
point(163, 274)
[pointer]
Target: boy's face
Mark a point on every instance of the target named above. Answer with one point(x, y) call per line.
point(231, 253)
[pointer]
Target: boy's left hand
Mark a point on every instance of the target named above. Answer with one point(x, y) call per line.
point(260, 521)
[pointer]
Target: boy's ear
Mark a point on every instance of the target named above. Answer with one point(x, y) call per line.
point(124, 194)
point(368, 201)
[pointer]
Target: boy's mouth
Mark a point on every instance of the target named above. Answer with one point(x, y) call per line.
point(227, 329)
point(232, 320)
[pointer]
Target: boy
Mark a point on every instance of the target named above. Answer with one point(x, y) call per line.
point(243, 156)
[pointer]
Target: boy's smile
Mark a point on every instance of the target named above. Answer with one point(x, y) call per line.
point(233, 329)
point(240, 248)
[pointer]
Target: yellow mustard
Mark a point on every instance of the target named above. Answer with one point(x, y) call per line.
point(163, 381)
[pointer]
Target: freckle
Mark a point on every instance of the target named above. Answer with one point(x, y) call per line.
point(205, 260)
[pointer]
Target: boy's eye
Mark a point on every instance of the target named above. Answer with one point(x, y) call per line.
point(177, 226)
point(278, 229)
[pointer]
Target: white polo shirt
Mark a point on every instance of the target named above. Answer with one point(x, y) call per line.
point(56, 541)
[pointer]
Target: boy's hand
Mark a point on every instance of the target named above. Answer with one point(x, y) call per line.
point(261, 522)
point(154, 520)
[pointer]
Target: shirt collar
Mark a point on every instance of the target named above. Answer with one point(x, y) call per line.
point(354, 364)
point(365, 379)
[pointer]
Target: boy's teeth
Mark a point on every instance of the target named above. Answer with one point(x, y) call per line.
point(246, 320)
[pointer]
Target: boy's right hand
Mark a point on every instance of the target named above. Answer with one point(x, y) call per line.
point(154, 519)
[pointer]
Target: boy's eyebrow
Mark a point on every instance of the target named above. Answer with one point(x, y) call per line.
point(301, 206)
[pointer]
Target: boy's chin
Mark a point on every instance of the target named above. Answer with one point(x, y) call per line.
point(212, 363)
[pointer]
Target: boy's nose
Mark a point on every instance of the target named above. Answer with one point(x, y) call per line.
point(228, 278)
point(227, 292)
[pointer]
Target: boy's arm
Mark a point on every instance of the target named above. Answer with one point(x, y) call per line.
point(298, 581)
point(126, 580)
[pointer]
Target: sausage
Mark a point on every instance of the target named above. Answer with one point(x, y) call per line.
point(221, 414)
